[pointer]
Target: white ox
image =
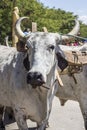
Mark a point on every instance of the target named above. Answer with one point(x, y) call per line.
point(72, 90)
point(27, 79)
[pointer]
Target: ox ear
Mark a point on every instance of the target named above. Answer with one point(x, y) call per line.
point(62, 62)
point(21, 46)
point(26, 63)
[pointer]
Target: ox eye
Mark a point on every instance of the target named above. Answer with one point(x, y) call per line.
point(51, 47)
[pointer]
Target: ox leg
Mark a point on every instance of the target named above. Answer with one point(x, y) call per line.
point(85, 119)
point(45, 123)
point(10, 113)
point(20, 119)
point(62, 101)
point(83, 106)
point(42, 126)
point(1, 118)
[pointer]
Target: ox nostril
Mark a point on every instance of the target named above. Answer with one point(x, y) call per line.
point(38, 76)
point(35, 78)
point(30, 76)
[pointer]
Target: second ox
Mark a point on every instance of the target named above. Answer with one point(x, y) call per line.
point(74, 76)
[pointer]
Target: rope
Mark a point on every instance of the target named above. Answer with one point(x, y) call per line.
point(76, 36)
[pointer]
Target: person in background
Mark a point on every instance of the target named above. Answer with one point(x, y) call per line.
point(27, 31)
point(75, 43)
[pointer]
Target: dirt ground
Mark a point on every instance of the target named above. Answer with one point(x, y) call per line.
point(68, 117)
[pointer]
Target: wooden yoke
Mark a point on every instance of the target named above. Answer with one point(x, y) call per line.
point(34, 27)
point(44, 29)
point(59, 78)
point(76, 57)
point(15, 18)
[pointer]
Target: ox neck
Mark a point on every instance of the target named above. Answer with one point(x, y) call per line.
point(51, 77)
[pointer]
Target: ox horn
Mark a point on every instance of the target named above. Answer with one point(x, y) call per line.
point(74, 31)
point(18, 29)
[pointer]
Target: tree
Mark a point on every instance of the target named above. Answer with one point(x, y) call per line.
point(56, 20)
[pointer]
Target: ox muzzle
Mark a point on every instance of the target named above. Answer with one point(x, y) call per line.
point(35, 79)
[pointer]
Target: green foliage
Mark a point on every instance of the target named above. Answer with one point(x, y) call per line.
point(56, 20)
point(83, 30)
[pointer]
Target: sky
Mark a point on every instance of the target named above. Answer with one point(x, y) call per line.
point(78, 7)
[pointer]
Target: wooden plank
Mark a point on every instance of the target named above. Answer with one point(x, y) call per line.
point(77, 57)
point(34, 27)
point(44, 29)
point(15, 18)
